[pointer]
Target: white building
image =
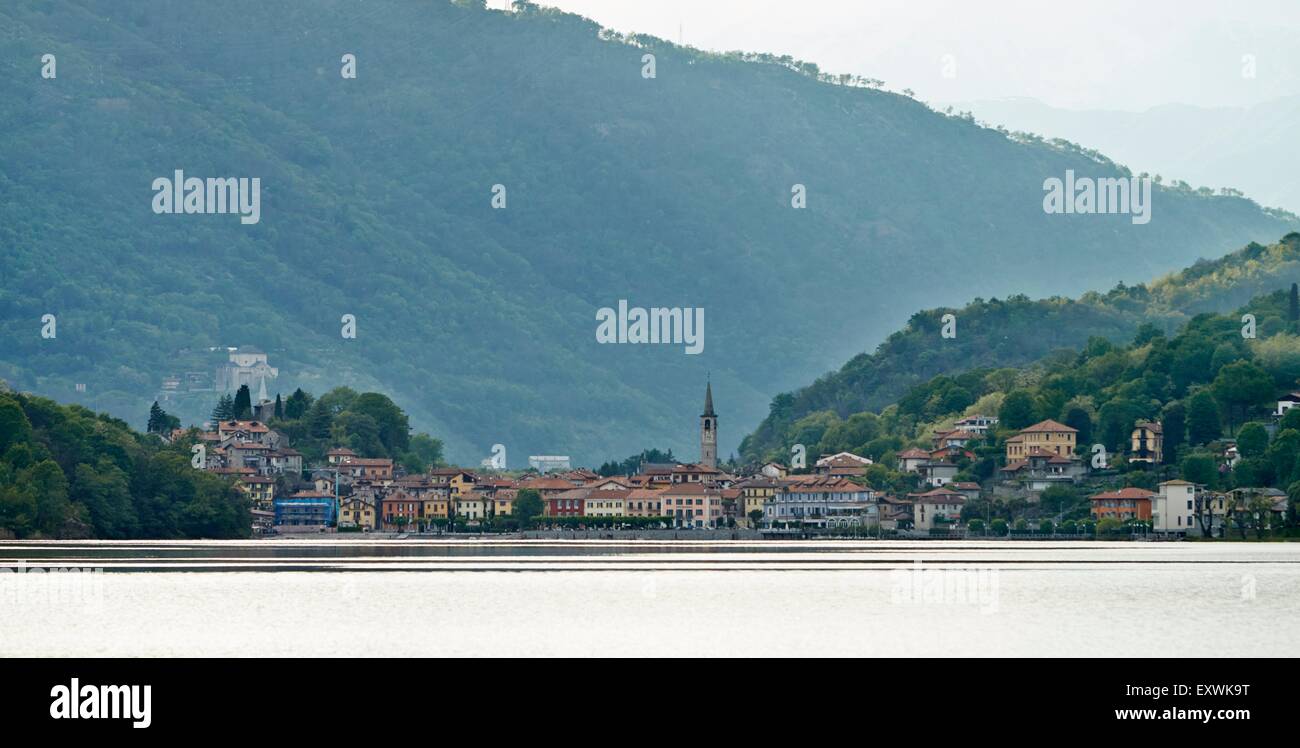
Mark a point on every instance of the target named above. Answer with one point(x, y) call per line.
point(977, 424)
point(932, 505)
point(247, 366)
point(1173, 510)
point(938, 473)
point(1287, 402)
point(827, 502)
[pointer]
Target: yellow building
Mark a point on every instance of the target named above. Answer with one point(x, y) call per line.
point(606, 503)
point(754, 494)
point(472, 506)
point(503, 502)
point(1148, 443)
point(356, 512)
point(259, 489)
point(436, 506)
point(462, 483)
point(1049, 436)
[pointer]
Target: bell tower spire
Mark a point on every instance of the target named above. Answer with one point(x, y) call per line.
point(708, 430)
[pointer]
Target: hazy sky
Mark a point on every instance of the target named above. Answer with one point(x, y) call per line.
point(1102, 54)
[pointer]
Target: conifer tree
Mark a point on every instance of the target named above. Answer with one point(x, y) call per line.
point(225, 409)
point(243, 403)
point(157, 418)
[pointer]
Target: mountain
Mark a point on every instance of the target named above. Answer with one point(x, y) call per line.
point(1248, 148)
point(1017, 331)
point(1201, 384)
point(666, 191)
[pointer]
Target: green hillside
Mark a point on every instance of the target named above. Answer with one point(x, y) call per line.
point(673, 191)
point(1204, 384)
point(1014, 332)
point(66, 472)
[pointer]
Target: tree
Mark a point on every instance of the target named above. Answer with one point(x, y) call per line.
point(225, 409)
point(1078, 419)
point(106, 492)
point(1058, 497)
point(1252, 440)
point(755, 517)
point(297, 405)
point(527, 507)
point(160, 422)
point(14, 426)
point(1109, 526)
point(1259, 509)
point(1241, 385)
point(1205, 512)
point(427, 451)
point(1293, 503)
point(1203, 419)
point(1017, 411)
point(1291, 420)
point(243, 403)
point(155, 419)
point(1116, 420)
point(1174, 428)
point(359, 432)
point(1200, 468)
point(1293, 309)
point(1146, 333)
point(49, 489)
point(279, 407)
point(393, 428)
point(1282, 455)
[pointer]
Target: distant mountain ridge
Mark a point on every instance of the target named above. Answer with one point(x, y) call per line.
point(1248, 148)
point(376, 202)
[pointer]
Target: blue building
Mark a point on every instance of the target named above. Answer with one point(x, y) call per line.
point(306, 510)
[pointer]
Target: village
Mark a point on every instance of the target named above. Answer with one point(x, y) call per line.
point(832, 497)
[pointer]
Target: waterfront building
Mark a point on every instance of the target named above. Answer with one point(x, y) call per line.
point(1124, 504)
point(823, 502)
point(305, 511)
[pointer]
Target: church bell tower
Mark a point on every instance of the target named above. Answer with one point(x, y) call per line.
point(708, 430)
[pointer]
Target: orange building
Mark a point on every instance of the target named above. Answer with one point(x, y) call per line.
point(1124, 504)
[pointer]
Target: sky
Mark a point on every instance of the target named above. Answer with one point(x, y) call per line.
point(1105, 54)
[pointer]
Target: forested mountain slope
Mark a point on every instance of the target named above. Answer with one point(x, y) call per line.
point(672, 191)
point(1015, 331)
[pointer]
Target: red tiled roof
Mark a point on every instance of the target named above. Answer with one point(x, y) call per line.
point(1123, 493)
point(1050, 426)
point(938, 495)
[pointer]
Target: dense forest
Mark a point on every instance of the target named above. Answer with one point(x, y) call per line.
point(672, 190)
point(66, 472)
point(1017, 331)
point(368, 423)
point(1205, 384)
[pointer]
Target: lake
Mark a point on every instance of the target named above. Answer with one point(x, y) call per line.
point(711, 598)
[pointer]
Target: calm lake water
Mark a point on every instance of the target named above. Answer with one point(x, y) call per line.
point(411, 597)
